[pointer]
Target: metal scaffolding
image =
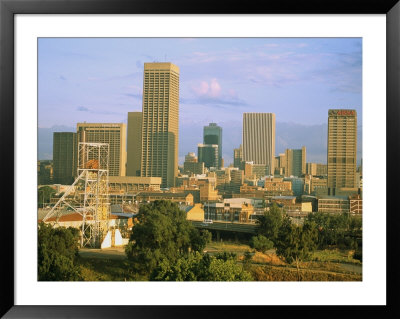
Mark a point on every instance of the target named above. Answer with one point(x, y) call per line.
point(90, 194)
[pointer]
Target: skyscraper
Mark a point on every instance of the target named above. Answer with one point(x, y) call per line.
point(212, 134)
point(208, 154)
point(113, 134)
point(295, 162)
point(64, 157)
point(342, 149)
point(134, 144)
point(259, 139)
point(160, 122)
point(238, 157)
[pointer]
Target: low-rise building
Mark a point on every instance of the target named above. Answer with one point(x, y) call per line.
point(132, 184)
point(277, 186)
point(193, 213)
point(229, 212)
point(181, 198)
point(334, 204)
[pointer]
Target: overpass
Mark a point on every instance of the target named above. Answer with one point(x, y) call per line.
point(249, 228)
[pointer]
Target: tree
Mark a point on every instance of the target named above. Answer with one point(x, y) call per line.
point(270, 222)
point(44, 195)
point(57, 252)
point(261, 243)
point(162, 233)
point(199, 239)
point(296, 243)
point(341, 230)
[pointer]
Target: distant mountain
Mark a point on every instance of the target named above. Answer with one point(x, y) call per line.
point(288, 135)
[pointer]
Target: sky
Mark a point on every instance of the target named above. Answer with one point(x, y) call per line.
point(298, 79)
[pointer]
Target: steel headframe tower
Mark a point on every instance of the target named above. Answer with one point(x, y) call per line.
point(91, 198)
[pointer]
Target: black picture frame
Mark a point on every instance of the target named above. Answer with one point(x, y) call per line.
point(8, 8)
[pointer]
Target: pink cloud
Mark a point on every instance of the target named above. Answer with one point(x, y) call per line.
point(208, 89)
point(215, 88)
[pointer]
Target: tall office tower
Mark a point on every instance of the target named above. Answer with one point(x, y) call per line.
point(295, 162)
point(134, 144)
point(160, 122)
point(64, 157)
point(113, 134)
point(342, 149)
point(259, 139)
point(238, 156)
point(208, 154)
point(212, 134)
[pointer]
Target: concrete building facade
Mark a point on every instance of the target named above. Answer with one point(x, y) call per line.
point(193, 167)
point(113, 134)
point(134, 144)
point(342, 149)
point(259, 139)
point(295, 162)
point(160, 124)
point(65, 152)
point(238, 157)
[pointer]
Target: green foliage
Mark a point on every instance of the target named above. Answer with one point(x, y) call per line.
point(296, 243)
point(44, 195)
point(198, 267)
point(199, 239)
point(57, 250)
point(342, 230)
point(261, 243)
point(162, 233)
point(270, 222)
point(226, 255)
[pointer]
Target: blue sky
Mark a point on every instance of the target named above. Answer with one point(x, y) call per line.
point(299, 79)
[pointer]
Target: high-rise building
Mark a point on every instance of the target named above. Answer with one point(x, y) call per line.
point(212, 134)
point(114, 134)
point(280, 163)
point(342, 149)
point(134, 144)
point(64, 157)
point(259, 139)
point(208, 154)
point(238, 157)
point(316, 169)
point(322, 169)
point(295, 162)
point(160, 122)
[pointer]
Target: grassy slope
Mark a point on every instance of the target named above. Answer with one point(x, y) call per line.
point(326, 265)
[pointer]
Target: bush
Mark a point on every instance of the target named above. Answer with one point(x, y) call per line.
point(199, 267)
point(261, 243)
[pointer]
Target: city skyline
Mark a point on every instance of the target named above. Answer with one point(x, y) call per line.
point(297, 79)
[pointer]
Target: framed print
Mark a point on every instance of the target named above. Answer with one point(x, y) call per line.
point(345, 57)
